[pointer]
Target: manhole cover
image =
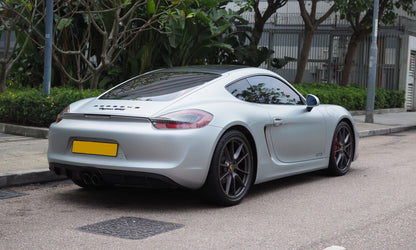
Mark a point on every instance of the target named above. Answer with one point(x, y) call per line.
point(130, 228)
point(9, 194)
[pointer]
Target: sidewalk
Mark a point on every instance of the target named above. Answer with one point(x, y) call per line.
point(23, 149)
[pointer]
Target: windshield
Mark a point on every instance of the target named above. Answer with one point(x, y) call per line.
point(159, 86)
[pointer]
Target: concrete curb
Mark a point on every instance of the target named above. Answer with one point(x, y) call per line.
point(24, 130)
point(385, 131)
point(28, 177)
point(378, 111)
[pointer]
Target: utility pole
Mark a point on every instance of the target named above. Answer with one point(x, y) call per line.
point(372, 69)
point(48, 48)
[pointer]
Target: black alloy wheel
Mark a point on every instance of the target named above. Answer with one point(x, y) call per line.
point(342, 149)
point(231, 171)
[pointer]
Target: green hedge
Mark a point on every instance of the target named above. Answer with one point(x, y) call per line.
point(352, 97)
point(30, 107)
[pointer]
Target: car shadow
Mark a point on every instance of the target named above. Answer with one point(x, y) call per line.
point(126, 198)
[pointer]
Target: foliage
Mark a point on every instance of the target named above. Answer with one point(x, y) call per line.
point(17, 20)
point(192, 32)
point(194, 29)
point(359, 13)
point(29, 68)
point(97, 41)
point(352, 97)
point(91, 35)
point(30, 107)
point(351, 11)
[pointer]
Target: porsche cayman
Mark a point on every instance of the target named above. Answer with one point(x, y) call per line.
point(217, 128)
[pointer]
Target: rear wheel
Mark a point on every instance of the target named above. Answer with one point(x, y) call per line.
point(342, 150)
point(231, 171)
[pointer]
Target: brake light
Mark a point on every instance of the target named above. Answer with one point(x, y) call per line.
point(61, 115)
point(184, 119)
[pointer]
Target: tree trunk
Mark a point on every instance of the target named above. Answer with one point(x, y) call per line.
point(304, 54)
point(260, 20)
point(64, 60)
point(257, 32)
point(95, 80)
point(356, 38)
point(3, 77)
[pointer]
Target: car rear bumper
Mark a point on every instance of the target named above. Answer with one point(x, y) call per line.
point(180, 156)
point(97, 176)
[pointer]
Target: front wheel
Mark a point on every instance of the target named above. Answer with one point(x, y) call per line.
point(231, 171)
point(342, 150)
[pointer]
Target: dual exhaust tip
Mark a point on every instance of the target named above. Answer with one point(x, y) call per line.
point(92, 179)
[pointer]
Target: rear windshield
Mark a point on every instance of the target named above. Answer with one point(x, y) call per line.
point(159, 86)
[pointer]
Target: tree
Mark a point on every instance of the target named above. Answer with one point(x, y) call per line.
point(94, 33)
point(359, 14)
point(261, 19)
point(197, 32)
point(311, 24)
point(17, 19)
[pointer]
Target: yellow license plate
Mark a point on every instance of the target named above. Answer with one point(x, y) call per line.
point(95, 148)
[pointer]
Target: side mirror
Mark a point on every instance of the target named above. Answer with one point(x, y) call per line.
point(311, 101)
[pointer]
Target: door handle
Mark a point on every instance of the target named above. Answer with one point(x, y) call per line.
point(277, 122)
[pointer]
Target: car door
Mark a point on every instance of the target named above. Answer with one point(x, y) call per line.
point(293, 134)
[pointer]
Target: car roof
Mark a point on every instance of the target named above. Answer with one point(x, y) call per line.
point(213, 69)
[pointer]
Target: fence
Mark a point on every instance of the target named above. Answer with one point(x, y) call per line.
point(328, 51)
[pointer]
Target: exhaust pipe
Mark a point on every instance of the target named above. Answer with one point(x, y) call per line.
point(86, 178)
point(96, 180)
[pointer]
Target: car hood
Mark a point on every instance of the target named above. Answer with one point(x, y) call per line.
point(118, 107)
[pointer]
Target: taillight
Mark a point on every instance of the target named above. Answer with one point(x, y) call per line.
point(61, 115)
point(184, 119)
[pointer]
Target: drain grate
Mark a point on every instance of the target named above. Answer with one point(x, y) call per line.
point(9, 194)
point(130, 228)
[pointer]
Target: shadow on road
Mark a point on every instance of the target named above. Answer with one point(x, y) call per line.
point(172, 199)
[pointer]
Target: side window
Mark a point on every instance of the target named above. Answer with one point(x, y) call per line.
point(270, 90)
point(242, 90)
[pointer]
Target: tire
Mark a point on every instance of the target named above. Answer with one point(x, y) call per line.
point(342, 150)
point(231, 171)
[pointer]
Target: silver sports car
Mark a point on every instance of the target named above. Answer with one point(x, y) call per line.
point(219, 128)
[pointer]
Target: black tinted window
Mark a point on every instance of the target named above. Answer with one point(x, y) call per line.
point(240, 90)
point(264, 89)
point(269, 90)
point(159, 86)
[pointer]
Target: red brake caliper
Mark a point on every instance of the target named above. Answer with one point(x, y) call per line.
point(336, 147)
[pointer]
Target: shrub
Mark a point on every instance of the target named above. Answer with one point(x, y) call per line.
point(30, 107)
point(352, 97)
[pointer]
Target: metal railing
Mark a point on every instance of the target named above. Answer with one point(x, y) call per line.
point(326, 58)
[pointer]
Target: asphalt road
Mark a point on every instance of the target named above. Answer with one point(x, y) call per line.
point(372, 207)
